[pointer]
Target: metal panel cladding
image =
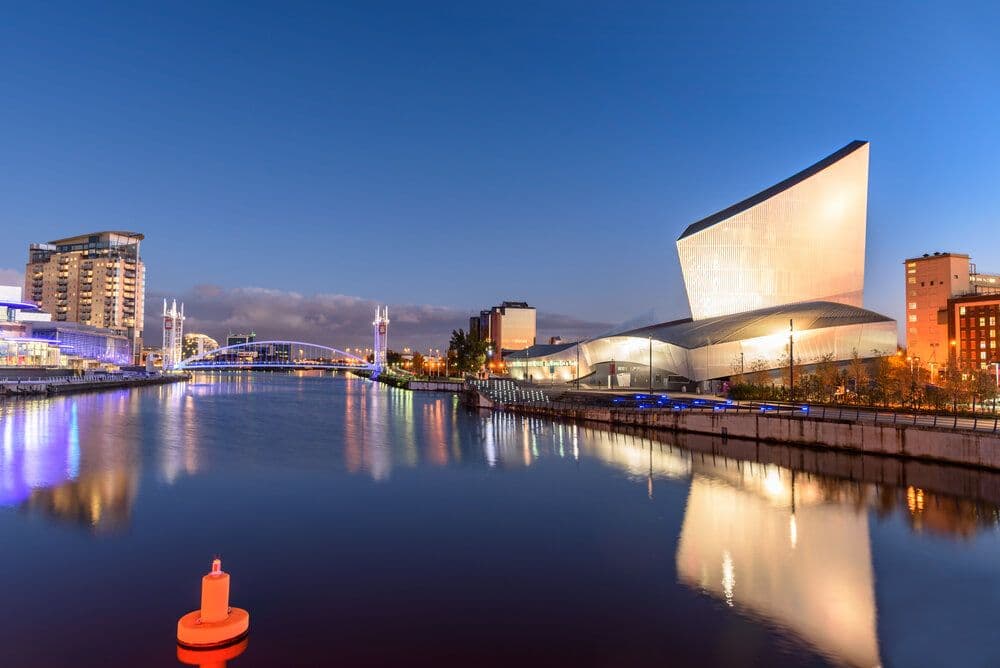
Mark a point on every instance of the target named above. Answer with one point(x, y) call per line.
point(800, 240)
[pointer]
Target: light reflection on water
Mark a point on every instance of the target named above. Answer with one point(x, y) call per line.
point(779, 535)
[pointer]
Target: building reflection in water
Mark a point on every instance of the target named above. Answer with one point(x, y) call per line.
point(379, 429)
point(789, 547)
point(773, 545)
point(82, 470)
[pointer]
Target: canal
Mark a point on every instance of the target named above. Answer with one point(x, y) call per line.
point(365, 526)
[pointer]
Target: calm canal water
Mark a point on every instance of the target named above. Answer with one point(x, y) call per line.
point(365, 525)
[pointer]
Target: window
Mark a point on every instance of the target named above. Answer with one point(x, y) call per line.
point(982, 345)
point(993, 320)
point(961, 311)
point(913, 305)
point(982, 356)
point(982, 322)
point(911, 279)
point(993, 333)
point(913, 317)
point(911, 271)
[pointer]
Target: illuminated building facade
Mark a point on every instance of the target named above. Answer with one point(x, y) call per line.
point(973, 324)
point(197, 344)
point(82, 345)
point(755, 279)
point(95, 279)
point(762, 251)
point(17, 347)
point(510, 326)
point(933, 282)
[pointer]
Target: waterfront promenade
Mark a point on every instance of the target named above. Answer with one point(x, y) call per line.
point(970, 441)
point(68, 384)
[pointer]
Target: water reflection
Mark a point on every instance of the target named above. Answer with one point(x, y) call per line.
point(777, 534)
point(777, 547)
point(785, 546)
point(77, 458)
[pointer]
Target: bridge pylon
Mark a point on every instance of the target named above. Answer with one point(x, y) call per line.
point(380, 329)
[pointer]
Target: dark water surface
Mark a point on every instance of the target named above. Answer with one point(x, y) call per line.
point(364, 525)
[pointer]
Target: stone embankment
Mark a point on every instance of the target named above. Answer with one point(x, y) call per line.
point(70, 384)
point(942, 443)
point(436, 385)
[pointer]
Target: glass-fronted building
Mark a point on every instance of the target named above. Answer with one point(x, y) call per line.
point(84, 343)
point(785, 264)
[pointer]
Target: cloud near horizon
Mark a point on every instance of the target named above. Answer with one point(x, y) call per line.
point(329, 319)
point(12, 277)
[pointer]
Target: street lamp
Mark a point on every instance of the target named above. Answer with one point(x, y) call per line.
point(578, 365)
point(996, 367)
point(791, 359)
point(650, 363)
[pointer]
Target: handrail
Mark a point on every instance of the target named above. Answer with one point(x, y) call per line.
point(860, 415)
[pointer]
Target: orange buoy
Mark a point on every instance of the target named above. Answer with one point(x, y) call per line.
point(215, 624)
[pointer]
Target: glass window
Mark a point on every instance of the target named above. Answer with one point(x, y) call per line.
point(982, 356)
point(913, 317)
point(911, 279)
point(982, 322)
point(913, 305)
point(961, 310)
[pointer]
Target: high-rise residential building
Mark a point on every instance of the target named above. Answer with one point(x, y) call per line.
point(510, 326)
point(95, 279)
point(933, 280)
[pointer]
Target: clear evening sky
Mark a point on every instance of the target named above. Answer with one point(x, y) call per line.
point(457, 154)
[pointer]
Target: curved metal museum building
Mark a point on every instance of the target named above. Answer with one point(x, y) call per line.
point(787, 262)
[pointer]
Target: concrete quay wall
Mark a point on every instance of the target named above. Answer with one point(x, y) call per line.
point(435, 386)
point(15, 389)
point(957, 446)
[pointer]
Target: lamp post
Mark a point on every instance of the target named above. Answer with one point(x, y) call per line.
point(578, 365)
point(952, 375)
point(996, 367)
point(791, 359)
point(650, 363)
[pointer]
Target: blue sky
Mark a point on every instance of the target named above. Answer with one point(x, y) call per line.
point(458, 154)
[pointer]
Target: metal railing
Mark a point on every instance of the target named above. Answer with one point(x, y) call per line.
point(853, 414)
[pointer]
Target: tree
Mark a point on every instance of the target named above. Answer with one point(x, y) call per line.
point(982, 386)
point(857, 373)
point(468, 351)
point(758, 376)
point(418, 363)
point(827, 378)
point(392, 358)
point(954, 385)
